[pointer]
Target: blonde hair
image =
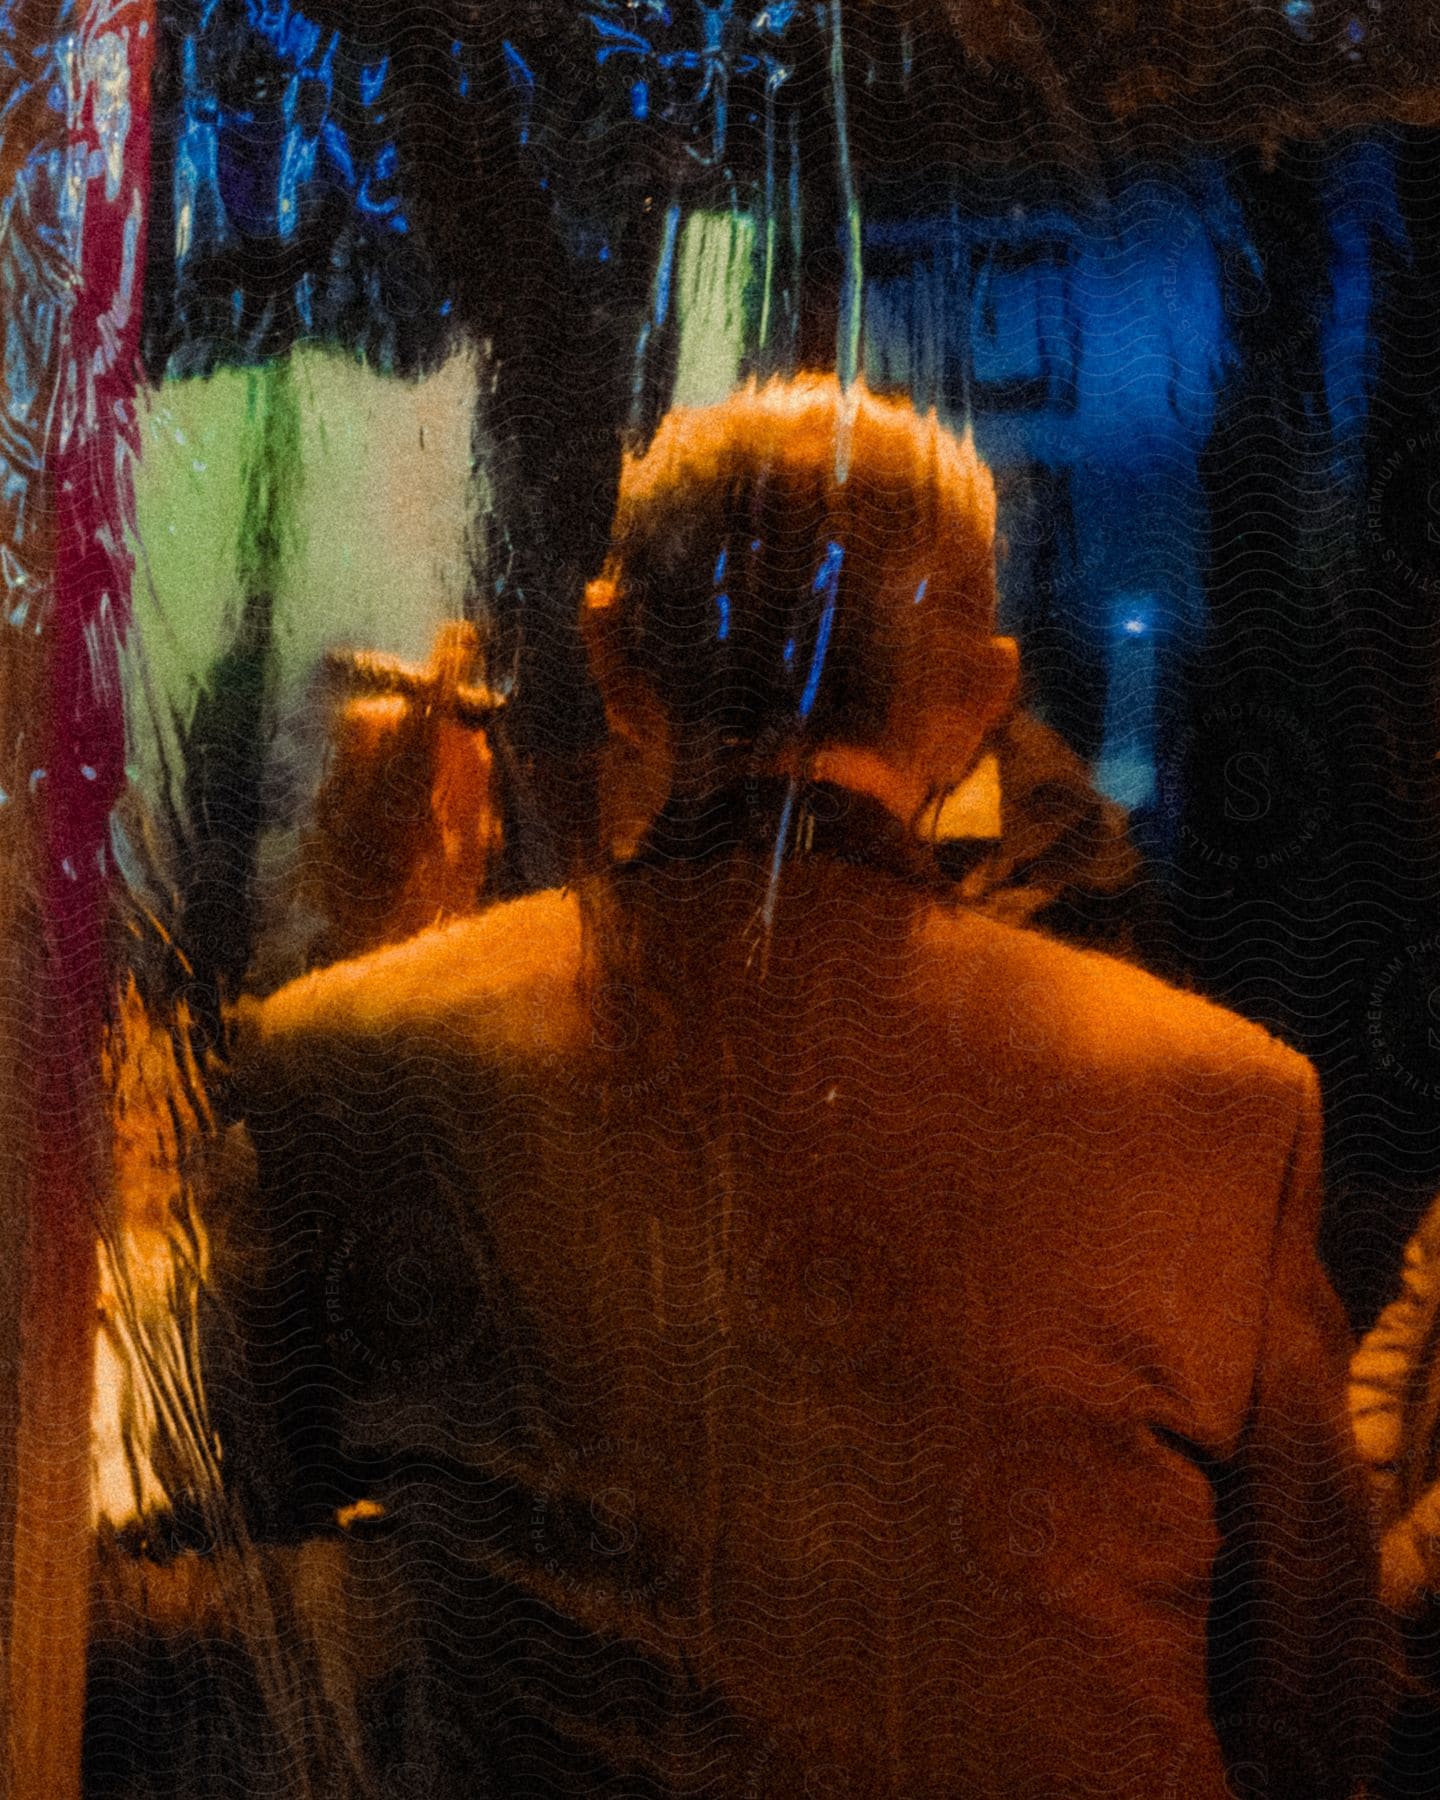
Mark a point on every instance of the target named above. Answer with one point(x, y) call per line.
point(796, 564)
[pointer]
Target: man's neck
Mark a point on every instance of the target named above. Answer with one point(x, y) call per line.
point(900, 791)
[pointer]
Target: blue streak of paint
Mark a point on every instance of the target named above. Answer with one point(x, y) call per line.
point(297, 166)
point(666, 272)
point(782, 838)
point(776, 17)
point(387, 208)
point(339, 147)
point(522, 77)
point(199, 209)
point(827, 582)
point(372, 80)
point(615, 40)
point(661, 306)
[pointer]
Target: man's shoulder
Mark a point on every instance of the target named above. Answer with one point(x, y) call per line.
point(468, 966)
point(1104, 1012)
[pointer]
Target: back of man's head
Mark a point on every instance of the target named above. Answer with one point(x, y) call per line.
point(799, 566)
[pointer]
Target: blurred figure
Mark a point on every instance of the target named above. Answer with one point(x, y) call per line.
point(1395, 1402)
point(407, 823)
point(806, 1335)
point(1048, 850)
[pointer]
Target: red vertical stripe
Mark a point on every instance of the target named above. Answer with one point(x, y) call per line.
point(81, 752)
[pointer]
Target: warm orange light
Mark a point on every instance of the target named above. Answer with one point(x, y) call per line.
point(158, 1118)
point(406, 823)
point(359, 1512)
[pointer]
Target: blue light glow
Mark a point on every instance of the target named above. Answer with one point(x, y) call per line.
point(289, 33)
point(1125, 766)
point(920, 591)
point(691, 61)
point(314, 123)
point(722, 605)
point(1363, 213)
